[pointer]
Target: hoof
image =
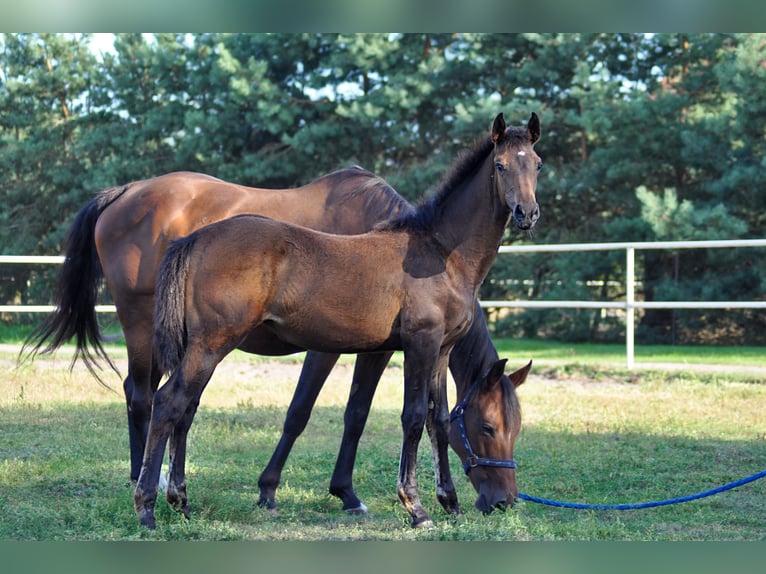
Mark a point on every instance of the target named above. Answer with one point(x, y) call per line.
point(183, 509)
point(146, 519)
point(269, 503)
point(424, 522)
point(180, 506)
point(359, 510)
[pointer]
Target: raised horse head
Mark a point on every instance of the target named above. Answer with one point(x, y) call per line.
point(516, 168)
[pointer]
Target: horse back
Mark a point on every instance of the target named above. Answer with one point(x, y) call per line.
point(133, 232)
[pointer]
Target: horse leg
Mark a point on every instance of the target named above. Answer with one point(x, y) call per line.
point(141, 381)
point(437, 423)
point(316, 369)
point(367, 372)
point(135, 439)
point(176, 489)
point(171, 403)
point(419, 367)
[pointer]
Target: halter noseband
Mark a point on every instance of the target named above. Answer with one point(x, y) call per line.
point(472, 460)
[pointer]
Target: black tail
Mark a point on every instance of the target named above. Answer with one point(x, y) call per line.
point(170, 305)
point(75, 296)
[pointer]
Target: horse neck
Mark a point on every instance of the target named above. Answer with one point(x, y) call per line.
point(472, 356)
point(472, 220)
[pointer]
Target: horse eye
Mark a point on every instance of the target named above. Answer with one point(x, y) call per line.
point(487, 429)
point(539, 166)
point(500, 167)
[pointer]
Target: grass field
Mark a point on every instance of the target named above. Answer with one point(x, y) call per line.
point(593, 432)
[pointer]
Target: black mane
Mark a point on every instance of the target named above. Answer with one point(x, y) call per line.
point(381, 201)
point(465, 164)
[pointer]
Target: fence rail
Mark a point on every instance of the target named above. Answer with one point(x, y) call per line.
point(629, 305)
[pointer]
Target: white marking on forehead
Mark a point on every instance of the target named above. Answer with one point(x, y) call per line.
point(522, 153)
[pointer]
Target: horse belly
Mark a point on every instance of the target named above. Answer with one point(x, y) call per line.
point(335, 333)
point(263, 341)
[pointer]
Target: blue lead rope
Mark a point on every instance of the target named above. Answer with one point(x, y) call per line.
point(581, 506)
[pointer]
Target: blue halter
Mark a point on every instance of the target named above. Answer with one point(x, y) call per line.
point(472, 460)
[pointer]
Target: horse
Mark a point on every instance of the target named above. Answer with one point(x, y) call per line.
point(490, 407)
point(411, 284)
point(121, 235)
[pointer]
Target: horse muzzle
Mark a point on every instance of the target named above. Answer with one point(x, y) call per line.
point(487, 505)
point(525, 217)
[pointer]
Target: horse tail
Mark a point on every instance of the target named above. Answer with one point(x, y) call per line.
point(75, 295)
point(170, 305)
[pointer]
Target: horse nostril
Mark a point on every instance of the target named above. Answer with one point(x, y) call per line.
point(519, 214)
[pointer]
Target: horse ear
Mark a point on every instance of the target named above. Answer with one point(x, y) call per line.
point(498, 128)
point(533, 128)
point(495, 374)
point(519, 376)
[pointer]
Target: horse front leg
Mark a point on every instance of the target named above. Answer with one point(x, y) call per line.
point(419, 367)
point(438, 425)
point(367, 372)
point(316, 369)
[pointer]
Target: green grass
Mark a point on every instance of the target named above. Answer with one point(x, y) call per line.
point(542, 351)
point(614, 354)
point(591, 434)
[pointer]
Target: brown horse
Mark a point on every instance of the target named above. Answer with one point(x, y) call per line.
point(122, 235)
point(410, 285)
point(135, 222)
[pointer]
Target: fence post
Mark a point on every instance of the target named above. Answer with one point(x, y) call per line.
point(630, 275)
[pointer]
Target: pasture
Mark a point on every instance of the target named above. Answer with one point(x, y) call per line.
point(591, 433)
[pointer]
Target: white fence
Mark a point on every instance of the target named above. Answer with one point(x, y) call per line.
point(629, 304)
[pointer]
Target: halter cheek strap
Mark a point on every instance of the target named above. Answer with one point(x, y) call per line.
point(472, 460)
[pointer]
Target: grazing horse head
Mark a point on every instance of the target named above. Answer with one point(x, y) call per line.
point(484, 428)
point(516, 168)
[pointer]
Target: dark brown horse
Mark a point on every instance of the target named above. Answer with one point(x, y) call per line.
point(134, 224)
point(491, 414)
point(410, 285)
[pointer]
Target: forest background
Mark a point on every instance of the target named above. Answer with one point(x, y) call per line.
point(645, 137)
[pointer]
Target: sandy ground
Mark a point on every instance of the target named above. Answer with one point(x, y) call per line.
point(243, 378)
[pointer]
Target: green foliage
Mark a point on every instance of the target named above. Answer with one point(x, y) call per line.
point(625, 118)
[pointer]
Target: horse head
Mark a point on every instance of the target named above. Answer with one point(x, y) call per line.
point(484, 428)
point(516, 168)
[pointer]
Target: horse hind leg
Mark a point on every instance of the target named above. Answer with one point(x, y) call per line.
point(367, 374)
point(176, 482)
point(139, 389)
point(142, 378)
point(171, 404)
point(316, 369)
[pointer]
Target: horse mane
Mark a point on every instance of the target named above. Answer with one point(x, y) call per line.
point(381, 201)
point(466, 162)
point(106, 196)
